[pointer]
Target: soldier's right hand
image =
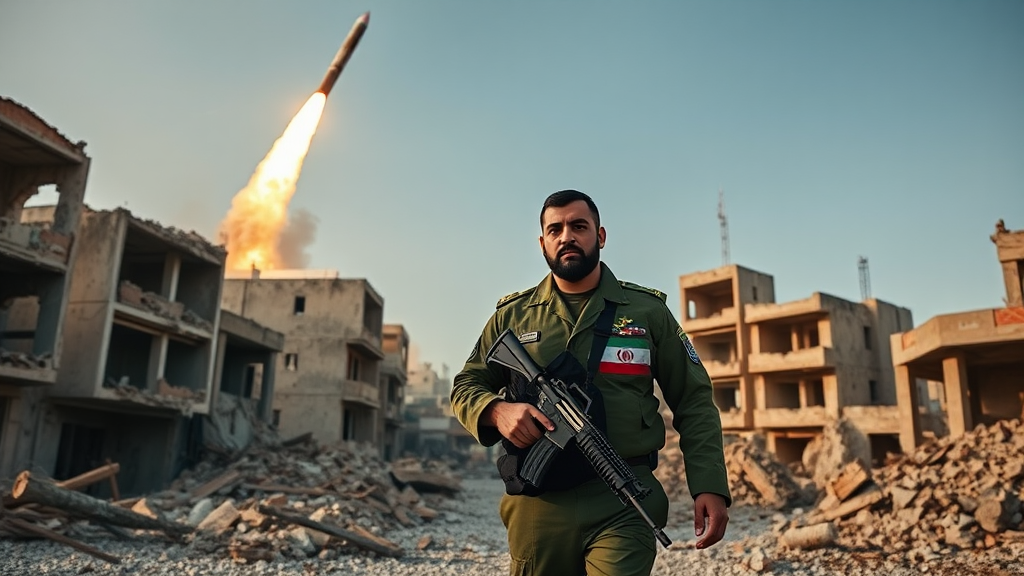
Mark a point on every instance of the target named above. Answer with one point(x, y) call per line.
point(520, 422)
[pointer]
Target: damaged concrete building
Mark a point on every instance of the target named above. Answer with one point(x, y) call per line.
point(786, 369)
point(977, 356)
point(329, 381)
point(36, 260)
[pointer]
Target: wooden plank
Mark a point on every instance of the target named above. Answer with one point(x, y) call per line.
point(869, 497)
point(389, 549)
point(299, 491)
point(850, 480)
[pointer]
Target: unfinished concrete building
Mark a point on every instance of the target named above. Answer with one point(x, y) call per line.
point(329, 381)
point(977, 355)
point(786, 369)
point(393, 379)
point(36, 260)
point(138, 351)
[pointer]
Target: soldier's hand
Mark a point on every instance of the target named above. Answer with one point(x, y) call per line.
point(711, 518)
point(517, 421)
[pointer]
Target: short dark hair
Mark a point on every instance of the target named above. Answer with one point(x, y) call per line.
point(566, 197)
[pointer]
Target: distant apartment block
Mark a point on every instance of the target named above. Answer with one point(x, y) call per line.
point(393, 379)
point(329, 381)
point(978, 356)
point(785, 368)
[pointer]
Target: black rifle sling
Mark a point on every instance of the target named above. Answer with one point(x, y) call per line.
point(602, 332)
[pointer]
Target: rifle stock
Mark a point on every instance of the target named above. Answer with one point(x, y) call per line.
point(561, 404)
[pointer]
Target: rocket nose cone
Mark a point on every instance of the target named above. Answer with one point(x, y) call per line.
point(364, 19)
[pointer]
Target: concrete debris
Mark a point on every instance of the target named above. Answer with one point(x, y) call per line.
point(134, 296)
point(37, 238)
point(275, 503)
point(166, 395)
point(954, 494)
point(26, 361)
point(839, 444)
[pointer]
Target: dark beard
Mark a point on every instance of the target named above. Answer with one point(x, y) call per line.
point(574, 270)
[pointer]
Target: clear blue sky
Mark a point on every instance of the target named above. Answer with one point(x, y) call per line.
point(888, 129)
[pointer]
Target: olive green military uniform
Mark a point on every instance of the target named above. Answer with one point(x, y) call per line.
point(587, 528)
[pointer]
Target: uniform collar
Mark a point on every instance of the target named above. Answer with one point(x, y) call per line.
point(608, 288)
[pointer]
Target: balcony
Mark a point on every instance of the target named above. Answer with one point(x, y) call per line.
point(717, 369)
point(797, 310)
point(368, 344)
point(361, 393)
point(34, 245)
point(817, 358)
point(723, 318)
point(732, 420)
point(807, 417)
point(24, 376)
point(874, 419)
point(146, 321)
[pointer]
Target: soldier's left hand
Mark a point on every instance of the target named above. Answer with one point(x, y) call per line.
point(711, 518)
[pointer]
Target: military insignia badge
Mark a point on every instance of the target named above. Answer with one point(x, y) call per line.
point(690, 351)
point(625, 327)
point(527, 337)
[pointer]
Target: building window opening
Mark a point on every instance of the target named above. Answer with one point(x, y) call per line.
point(873, 391)
point(867, 337)
point(300, 306)
point(815, 393)
point(291, 362)
point(754, 288)
point(276, 418)
point(691, 310)
point(727, 396)
point(353, 368)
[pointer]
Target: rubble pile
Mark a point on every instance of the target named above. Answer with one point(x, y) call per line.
point(948, 495)
point(756, 477)
point(296, 501)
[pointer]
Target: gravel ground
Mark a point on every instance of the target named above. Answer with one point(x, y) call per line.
point(469, 540)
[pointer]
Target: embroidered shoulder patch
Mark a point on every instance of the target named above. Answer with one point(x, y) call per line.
point(690, 351)
point(656, 293)
point(513, 296)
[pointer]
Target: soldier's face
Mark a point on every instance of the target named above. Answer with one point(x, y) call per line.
point(570, 241)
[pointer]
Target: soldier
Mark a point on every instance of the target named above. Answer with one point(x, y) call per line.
point(576, 524)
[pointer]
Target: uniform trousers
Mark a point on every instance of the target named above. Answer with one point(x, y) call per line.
point(583, 530)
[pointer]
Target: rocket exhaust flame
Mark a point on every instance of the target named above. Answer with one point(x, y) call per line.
point(252, 228)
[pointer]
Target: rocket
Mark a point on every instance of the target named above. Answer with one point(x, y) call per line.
point(344, 53)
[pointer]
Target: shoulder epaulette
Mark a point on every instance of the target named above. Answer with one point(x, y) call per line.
point(513, 296)
point(656, 293)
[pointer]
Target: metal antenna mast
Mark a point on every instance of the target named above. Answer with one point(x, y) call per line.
point(723, 225)
point(865, 278)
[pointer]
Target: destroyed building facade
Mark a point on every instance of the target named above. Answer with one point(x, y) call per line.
point(785, 369)
point(36, 260)
point(978, 356)
point(394, 377)
point(329, 380)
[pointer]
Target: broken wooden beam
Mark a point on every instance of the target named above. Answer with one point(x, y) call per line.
point(28, 489)
point(867, 498)
point(389, 549)
point(34, 530)
point(852, 477)
point(91, 477)
point(215, 484)
point(810, 537)
point(296, 490)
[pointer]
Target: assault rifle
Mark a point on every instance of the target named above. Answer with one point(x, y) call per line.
point(560, 402)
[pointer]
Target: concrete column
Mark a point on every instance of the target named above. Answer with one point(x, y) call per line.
point(172, 270)
point(218, 367)
point(1012, 277)
point(906, 405)
point(803, 393)
point(157, 362)
point(266, 406)
point(958, 405)
point(748, 397)
point(830, 391)
point(794, 337)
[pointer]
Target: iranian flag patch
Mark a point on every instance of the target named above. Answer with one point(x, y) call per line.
point(630, 356)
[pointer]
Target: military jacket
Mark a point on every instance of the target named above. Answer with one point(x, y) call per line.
point(647, 345)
